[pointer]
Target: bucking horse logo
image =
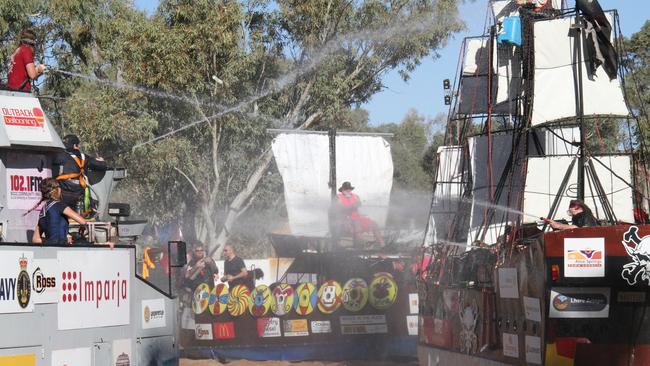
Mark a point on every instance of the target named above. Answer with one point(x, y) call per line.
point(638, 249)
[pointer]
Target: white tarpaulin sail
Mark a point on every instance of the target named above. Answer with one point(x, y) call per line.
point(555, 84)
point(303, 162)
point(545, 175)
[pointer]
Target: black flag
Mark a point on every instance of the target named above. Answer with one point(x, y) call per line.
point(599, 30)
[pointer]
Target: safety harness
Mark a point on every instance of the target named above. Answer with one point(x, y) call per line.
point(81, 162)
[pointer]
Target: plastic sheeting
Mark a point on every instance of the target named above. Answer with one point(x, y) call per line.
point(545, 175)
point(303, 162)
point(555, 84)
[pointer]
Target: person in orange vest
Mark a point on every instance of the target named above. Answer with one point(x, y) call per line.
point(22, 69)
point(351, 220)
point(70, 170)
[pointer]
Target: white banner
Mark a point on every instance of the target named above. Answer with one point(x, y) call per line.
point(45, 277)
point(412, 324)
point(153, 314)
point(508, 285)
point(24, 181)
point(510, 345)
point(321, 326)
point(584, 257)
point(23, 119)
point(71, 357)
point(534, 350)
point(95, 288)
point(363, 319)
point(203, 332)
point(15, 282)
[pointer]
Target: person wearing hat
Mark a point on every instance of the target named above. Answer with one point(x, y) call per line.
point(351, 220)
point(581, 216)
point(21, 65)
point(70, 170)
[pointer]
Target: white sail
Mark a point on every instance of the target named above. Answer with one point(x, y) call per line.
point(303, 163)
point(545, 175)
point(555, 84)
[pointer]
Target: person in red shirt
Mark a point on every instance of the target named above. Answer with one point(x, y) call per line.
point(351, 220)
point(21, 66)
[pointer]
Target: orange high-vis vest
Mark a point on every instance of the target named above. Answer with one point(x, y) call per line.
point(350, 201)
point(81, 162)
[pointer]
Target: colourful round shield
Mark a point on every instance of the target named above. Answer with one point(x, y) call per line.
point(355, 294)
point(239, 300)
point(305, 298)
point(329, 297)
point(383, 291)
point(283, 296)
point(201, 298)
point(218, 299)
point(262, 300)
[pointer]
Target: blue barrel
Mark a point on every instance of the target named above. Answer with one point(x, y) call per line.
point(511, 31)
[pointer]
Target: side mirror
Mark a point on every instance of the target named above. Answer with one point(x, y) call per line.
point(177, 253)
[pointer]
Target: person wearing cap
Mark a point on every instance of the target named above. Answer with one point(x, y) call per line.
point(581, 216)
point(351, 220)
point(70, 170)
point(22, 69)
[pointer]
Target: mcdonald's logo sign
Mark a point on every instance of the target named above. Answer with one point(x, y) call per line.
point(224, 330)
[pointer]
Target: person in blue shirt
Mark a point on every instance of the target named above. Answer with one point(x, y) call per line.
point(52, 227)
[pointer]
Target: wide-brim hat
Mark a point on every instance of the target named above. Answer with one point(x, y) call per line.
point(346, 186)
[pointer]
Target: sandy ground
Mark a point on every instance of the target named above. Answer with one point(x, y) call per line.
point(187, 362)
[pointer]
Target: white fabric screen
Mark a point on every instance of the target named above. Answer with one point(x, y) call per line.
point(303, 162)
point(554, 95)
point(545, 176)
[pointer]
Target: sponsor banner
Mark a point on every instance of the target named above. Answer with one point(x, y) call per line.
point(18, 360)
point(153, 314)
point(363, 319)
point(579, 302)
point(630, 297)
point(268, 327)
point(534, 350)
point(532, 309)
point(412, 324)
point(203, 332)
point(364, 329)
point(413, 303)
point(321, 326)
point(71, 357)
point(508, 286)
point(295, 328)
point(584, 257)
point(45, 281)
point(23, 119)
point(510, 345)
point(95, 288)
point(15, 282)
point(122, 354)
point(24, 183)
point(224, 330)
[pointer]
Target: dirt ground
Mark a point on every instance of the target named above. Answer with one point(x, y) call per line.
point(187, 362)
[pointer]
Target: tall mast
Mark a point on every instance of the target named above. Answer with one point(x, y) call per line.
point(580, 109)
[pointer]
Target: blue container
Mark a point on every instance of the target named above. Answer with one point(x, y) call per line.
point(511, 31)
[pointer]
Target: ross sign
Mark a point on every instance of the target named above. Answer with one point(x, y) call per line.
point(71, 357)
point(363, 324)
point(23, 119)
point(321, 326)
point(584, 257)
point(95, 288)
point(508, 286)
point(153, 314)
point(532, 309)
point(44, 281)
point(203, 332)
point(225, 330)
point(18, 360)
point(413, 303)
point(534, 350)
point(24, 182)
point(412, 324)
point(122, 354)
point(295, 328)
point(15, 282)
point(579, 302)
point(268, 327)
point(510, 345)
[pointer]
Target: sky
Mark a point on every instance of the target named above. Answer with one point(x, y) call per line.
point(423, 91)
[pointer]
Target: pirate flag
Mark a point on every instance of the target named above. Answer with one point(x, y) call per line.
point(598, 47)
